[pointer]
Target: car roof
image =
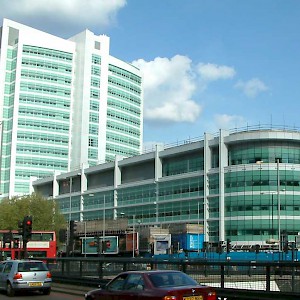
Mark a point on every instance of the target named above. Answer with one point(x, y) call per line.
point(152, 271)
point(21, 260)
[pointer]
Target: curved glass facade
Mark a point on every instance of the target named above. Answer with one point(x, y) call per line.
point(243, 186)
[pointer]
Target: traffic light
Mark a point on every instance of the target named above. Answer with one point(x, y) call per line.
point(62, 235)
point(20, 228)
point(103, 246)
point(286, 246)
point(73, 229)
point(16, 243)
point(7, 237)
point(107, 245)
point(228, 245)
point(220, 247)
point(27, 228)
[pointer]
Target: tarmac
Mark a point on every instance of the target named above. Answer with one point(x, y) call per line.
point(76, 290)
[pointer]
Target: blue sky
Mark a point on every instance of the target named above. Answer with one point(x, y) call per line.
point(207, 64)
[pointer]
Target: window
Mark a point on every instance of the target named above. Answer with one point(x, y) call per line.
point(97, 45)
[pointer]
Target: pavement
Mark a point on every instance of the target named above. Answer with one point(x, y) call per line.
point(77, 290)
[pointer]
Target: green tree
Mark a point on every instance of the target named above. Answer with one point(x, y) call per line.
point(45, 213)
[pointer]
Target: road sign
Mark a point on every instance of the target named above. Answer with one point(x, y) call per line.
point(93, 245)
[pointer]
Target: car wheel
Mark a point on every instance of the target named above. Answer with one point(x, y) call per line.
point(9, 290)
point(47, 291)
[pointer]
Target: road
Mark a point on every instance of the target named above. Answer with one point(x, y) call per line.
point(59, 292)
point(37, 296)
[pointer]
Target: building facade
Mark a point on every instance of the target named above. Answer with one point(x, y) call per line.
point(242, 185)
point(64, 104)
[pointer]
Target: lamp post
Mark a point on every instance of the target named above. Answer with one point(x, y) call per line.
point(272, 214)
point(279, 206)
point(198, 227)
point(103, 225)
point(156, 202)
point(133, 235)
point(84, 238)
point(70, 198)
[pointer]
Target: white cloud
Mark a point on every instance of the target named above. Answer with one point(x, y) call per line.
point(169, 85)
point(252, 87)
point(225, 121)
point(87, 12)
point(213, 72)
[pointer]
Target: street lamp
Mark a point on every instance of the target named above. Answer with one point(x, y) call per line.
point(70, 198)
point(279, 205)
point(133, 237)
point(198, 227)
point(279, 202)
point(156, 201)
point(271, 241)
point(103, 225)
point(84, 238)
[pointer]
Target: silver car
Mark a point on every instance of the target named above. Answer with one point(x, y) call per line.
point(22, 275)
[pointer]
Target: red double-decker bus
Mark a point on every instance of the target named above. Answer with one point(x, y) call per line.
point(41, 244)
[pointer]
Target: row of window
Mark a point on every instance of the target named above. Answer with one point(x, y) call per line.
point(124, 106)
point(92, 154)
point(8, 100)
point(94, 118)
point(125, 74)
point(96, 70)
point(123, 95)
point(43, 125)
point(95, 94)
point(49, 53)
point(9, 89)
point(63, 68)
point(130, 87)
point(40, 150)
point(122, 139)
point(266, 152)
point(55, 90)
point(185, 165)
point(41, 163)
point(11, 53)
point(93, 142)
point(43, 138)
point(10, 76)
point(123, 117)
point(94, 105)
point(121, 150)
point(55, 78)
point(44, 101)
point(42, 113)
point(127, 129)
point(93, 129)
point(11, 65)
point(95, 82)
point(25, 173)
point(264, 209)
point(96, 59)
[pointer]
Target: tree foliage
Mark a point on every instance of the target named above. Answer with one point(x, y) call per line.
point(45, 213)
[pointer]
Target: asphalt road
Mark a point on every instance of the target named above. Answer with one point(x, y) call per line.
point(59, 292)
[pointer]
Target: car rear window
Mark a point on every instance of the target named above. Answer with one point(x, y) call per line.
point(171, 279)
point(32, 266)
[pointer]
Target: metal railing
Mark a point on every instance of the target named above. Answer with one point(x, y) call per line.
point(233, 280)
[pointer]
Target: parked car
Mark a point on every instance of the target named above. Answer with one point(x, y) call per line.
point(23, 275)
point(153, 285)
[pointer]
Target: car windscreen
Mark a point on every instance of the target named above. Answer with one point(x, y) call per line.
point(169, 279)
point(32, 266)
